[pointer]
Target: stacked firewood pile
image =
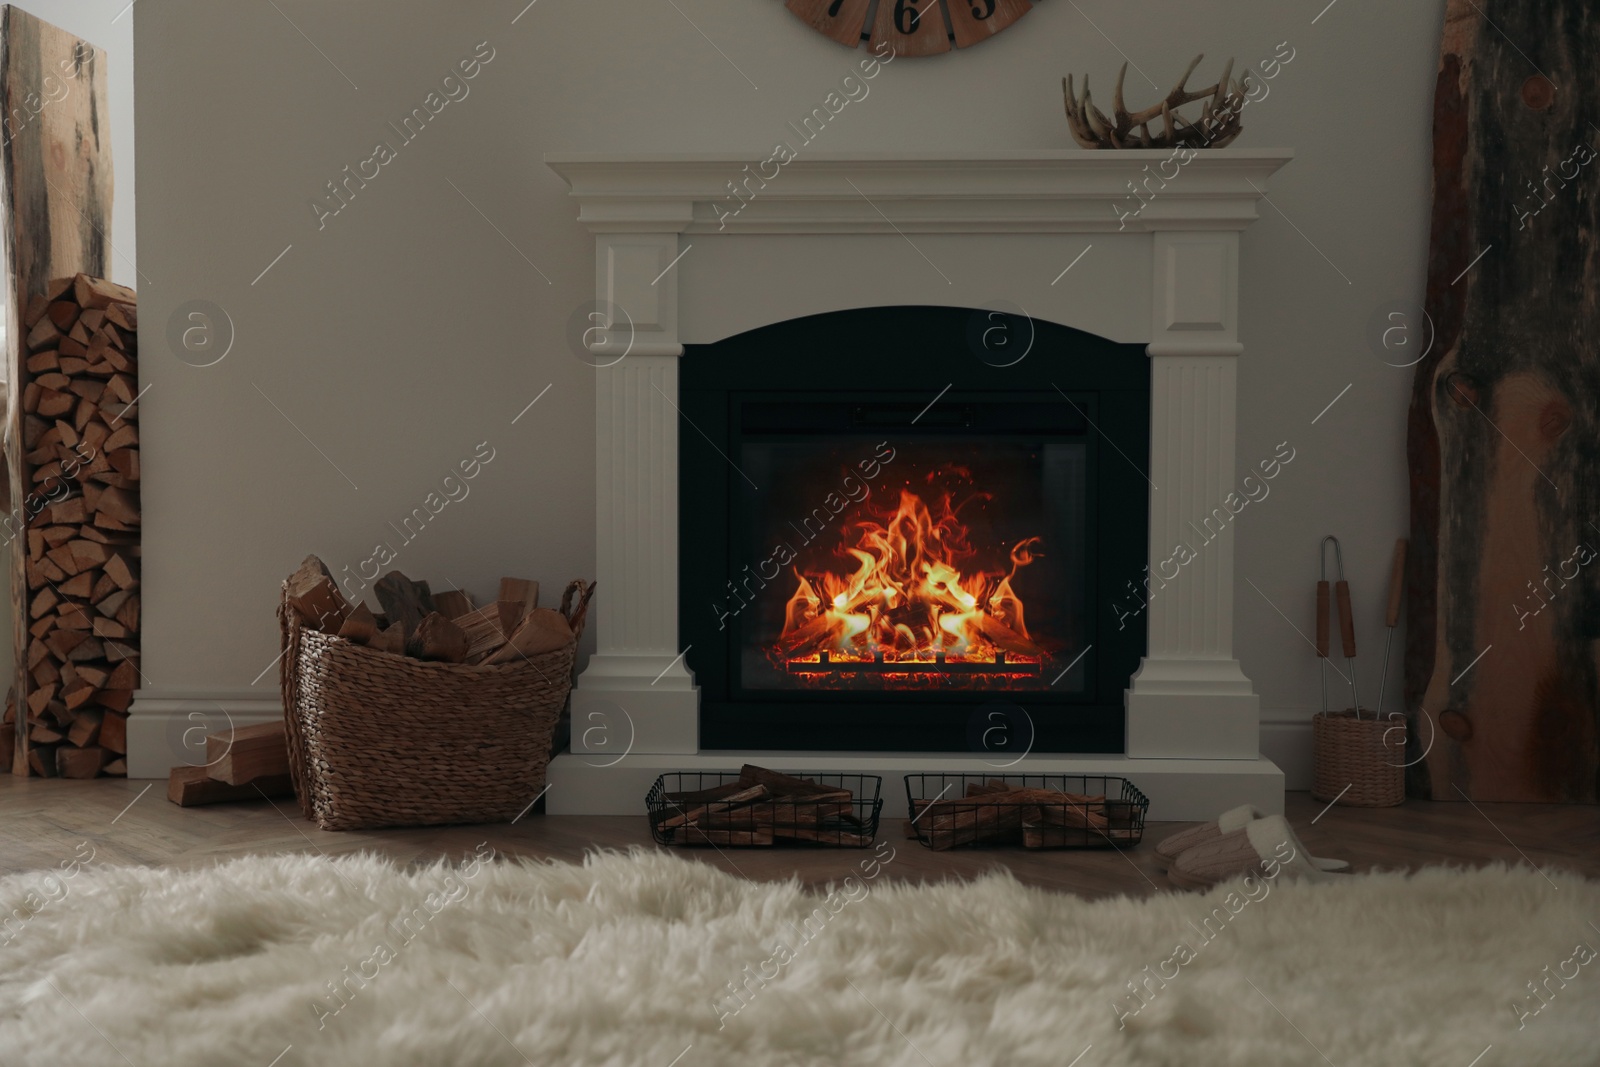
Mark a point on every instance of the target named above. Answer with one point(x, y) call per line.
point(79, 597)
point(761, 807)
point(444, 626)
point(997, 812)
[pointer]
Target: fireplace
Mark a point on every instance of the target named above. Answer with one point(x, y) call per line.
point(834, 313)
point(916, 549)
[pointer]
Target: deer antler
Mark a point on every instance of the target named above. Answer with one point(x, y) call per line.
point(1217, 126)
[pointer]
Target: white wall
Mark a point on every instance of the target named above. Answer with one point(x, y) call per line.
point(407, 330)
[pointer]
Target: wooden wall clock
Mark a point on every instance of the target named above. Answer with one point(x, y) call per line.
point(909, 27)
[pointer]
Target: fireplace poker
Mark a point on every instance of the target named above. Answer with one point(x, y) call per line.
point(1347, 627)
point(1397, 576)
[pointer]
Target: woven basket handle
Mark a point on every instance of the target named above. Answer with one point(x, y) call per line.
point(577, 613)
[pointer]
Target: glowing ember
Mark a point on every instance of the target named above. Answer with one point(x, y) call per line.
point(915, 599)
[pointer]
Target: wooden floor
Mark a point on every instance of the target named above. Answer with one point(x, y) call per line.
point(43, 820)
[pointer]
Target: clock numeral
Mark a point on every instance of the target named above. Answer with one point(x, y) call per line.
point(833, 8)
point(988, 9)
point(906, 16)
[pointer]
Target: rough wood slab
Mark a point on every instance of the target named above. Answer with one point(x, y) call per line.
point(55, 213)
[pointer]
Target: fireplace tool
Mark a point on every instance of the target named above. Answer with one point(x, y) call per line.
point(1347, 626)
point(1350, 755)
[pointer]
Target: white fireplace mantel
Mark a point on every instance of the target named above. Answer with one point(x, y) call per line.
point(694, 248)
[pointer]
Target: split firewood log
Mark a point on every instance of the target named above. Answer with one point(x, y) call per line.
point(188, 787)
point(404, 601)
point(360, 626)
point(315, 597)
point(246, 753)
point(391, 639)
point(541, 630)
point(437, 638)
point(452, 603)
point(484, 635)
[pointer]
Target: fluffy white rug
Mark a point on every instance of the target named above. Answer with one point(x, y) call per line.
point(635, 959)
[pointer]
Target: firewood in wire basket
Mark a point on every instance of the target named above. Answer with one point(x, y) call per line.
point(843, 838)
point(785, 785)
point(693, 835)
point(312, 594)
point(701, 796)
point(685, 816)
point(437, 638)
point(542, 630)
point(966, 822)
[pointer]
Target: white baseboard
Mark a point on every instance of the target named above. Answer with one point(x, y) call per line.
point(1286, 741)
point(166, 726)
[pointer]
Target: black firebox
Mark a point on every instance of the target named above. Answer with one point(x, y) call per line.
point(903, 529)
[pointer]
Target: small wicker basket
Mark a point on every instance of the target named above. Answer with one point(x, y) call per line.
point(377, 739)
point(1360, 761)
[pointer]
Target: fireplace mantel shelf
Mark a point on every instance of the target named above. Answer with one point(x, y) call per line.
point(1041, 191)
point(826, 232)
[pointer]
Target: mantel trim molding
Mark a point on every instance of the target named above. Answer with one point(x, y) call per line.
point(1049, 191)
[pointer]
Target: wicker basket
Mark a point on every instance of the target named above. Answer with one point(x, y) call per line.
point(1358, 761)
point(377, 739)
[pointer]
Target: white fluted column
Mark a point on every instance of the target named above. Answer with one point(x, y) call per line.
point(1189, 697)
point(636, 694)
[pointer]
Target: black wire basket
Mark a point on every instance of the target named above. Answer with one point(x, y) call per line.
point(727, 810)
point(954, 810)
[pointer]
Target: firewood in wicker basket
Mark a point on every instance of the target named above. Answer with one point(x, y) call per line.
point(541, 630)
point(315, 597)
point(524, 591)
point(360, 626)
point(452, 603)
point(390, 639)
point(484, 635)
point(437, 638)
point(404, 601)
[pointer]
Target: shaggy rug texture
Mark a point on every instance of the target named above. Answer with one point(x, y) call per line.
point(651, 960)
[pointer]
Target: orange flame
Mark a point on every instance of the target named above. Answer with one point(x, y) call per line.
point(908, 598)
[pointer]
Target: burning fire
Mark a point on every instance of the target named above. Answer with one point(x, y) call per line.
point(915, 598)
